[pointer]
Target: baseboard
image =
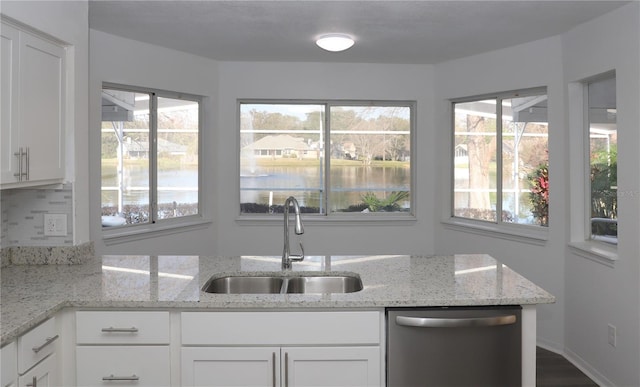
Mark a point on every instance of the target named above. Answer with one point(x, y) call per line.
point(550, 346)
point(578, 362)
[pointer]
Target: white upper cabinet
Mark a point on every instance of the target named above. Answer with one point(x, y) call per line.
point(33, 109)
point(9, 63)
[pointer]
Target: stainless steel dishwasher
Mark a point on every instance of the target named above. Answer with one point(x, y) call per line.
point(454, 347)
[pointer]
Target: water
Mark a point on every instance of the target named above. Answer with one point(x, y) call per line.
point(348, 183)
point(276, 183)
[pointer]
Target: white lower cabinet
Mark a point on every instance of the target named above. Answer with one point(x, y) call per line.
point(123, 348)
point(38, 364)
point(281, 349)
point(123, 366)
point(286, 366)
point(223, 366)
point(45, 374)
point(331, 366)
point(9, 360)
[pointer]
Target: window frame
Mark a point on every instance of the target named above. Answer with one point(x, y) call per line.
point(527, 233)
point(331, 217)
point(129, 232)
point(581, 242)
point(587, 158)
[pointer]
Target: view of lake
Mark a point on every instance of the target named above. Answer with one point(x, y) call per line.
point(348, 184)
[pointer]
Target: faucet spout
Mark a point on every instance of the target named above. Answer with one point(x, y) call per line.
point(287, 258)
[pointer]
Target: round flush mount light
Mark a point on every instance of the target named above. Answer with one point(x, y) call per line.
point(335, 42)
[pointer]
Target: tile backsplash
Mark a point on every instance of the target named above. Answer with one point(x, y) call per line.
point(23, 216)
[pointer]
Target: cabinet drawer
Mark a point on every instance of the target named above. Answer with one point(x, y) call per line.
point(9, 359)
point(123, 366)
point(280, 328)
point(122, 327)
point(36, 344)
point(45, 374)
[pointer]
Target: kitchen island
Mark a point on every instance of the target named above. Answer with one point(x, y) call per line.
point(32, 294)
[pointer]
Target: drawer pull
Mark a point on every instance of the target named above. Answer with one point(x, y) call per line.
point(112, 378)
point(48, 341)
point(34, 383)
point(120, 330)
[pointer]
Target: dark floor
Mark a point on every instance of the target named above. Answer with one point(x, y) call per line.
point(554, 370)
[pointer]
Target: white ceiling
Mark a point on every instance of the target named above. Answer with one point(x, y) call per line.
point(385, 31)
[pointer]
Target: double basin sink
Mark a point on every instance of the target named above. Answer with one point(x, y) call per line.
point(278, 283)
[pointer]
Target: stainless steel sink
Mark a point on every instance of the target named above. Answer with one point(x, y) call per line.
point(274, 284)
point(244, 284)
point(324, 284)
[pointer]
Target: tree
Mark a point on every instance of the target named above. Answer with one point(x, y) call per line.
point(481, 151)
point(604, 181)
point(539, 195)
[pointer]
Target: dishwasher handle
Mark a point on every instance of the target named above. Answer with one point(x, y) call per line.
point(430, 322)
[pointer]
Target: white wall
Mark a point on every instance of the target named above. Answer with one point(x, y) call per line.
point(324, 81)
point(529, 65)
point(67, 21)
point(597, 295)
point(128, 62)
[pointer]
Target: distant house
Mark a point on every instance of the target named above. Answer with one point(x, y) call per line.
point(140, 149)
point(282, 145)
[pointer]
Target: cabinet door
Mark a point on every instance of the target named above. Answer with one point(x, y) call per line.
point(42, 92)
point(9, 360)
point(123, 366)
point(45, 374)
point(217, 366)
point(331, 366)
point(9, 145)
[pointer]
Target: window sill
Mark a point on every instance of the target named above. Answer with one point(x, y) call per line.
point(514, 232)
point(337, 220)
point(597, 252)
point(129, 234)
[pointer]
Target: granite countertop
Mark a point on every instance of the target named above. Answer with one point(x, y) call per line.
point(31, 294)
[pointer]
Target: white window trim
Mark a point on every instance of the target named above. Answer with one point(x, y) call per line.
point(580, 242)
point(532, 234)
point(131, 234)
point(134, 232)
point(336, 218)
point(524, 233)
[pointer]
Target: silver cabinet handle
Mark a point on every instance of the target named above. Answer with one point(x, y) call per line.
point(120, 330)
point(423, 322)
point(112, 378)
point(48, 341)
point(273, 361)
point(34, 382)
point(27, 166)
point(19, 155)
point(286, 369)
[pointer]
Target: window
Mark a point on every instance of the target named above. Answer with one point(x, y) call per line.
point(334, 158)
point(150, 163)
point(500, 166)
point(603, 156)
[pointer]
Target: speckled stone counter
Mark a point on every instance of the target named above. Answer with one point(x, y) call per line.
point(30, 294)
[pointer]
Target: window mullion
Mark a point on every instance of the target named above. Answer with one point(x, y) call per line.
point(499, 160)
point(327, 157)
point(153, 159)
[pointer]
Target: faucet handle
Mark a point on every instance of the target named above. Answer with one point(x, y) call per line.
point(298, 258)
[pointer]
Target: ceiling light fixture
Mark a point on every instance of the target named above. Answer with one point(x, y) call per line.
point(335, 42)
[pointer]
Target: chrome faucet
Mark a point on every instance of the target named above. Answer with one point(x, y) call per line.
point(287, 258)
